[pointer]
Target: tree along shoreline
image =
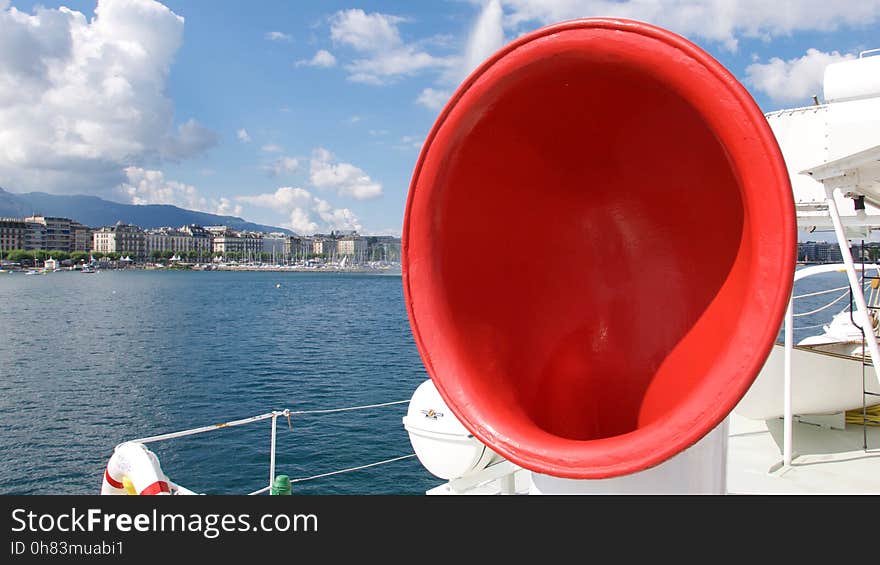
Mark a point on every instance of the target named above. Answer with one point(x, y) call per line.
point(30, 258)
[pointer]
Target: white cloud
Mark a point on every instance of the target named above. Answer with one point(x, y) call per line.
point(278, 36)
point(486, 37)
point(337, 218)
point(795, 79)
point(144, 186)
point(411, 142)
point(306, 213)
point(243, 136)
point(365, 32)
point(272, 148)
point(433, 99)
point(383, 67)
point(385, 55)
point(225, 207)
point(301, 222)
point(191, 139)
point(326, 173)
point(322, 58)
point(282, 165)
point(82, 99)
point(284, 198)
point(715, 20)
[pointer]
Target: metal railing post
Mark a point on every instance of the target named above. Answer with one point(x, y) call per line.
point(788, 417)
point(272, 451)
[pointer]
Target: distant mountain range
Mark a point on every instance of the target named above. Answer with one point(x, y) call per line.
point(95, 212)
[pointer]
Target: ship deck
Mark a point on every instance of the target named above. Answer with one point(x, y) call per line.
point(825, 460)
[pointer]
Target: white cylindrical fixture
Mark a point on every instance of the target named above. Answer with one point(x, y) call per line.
point(700, 469)
point(852, 80)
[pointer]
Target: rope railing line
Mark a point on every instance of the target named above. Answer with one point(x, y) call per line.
point(809, 327)
point(276, 413)
point(830, 304)
point(827, 291)
point(358, 468)
point(346, 409)
point(211, 428)
point(350, 469)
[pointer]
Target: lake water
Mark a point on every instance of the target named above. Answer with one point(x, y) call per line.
point(88, 361)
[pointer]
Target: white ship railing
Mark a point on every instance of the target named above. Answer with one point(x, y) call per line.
point(274, 415)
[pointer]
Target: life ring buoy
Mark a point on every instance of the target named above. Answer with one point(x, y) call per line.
point(134, 469)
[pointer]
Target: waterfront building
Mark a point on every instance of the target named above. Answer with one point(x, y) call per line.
point(819, 252)
point(224, 240)
point(248, 245)
point(125, 239)
point(252, 244)
point(383, 248)
point(324, 245)
point(276, 245)
point(13, 233)
point(55, 232)
point(202, 239)
point(218, 230)
point(225, 244)
point(353, 246)
point(298, 247)
point(35, 236)
point(80, 237)
point(167, 239)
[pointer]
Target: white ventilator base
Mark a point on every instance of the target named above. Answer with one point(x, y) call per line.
point(700, 469)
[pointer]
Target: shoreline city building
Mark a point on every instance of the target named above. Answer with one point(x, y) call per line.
point(192, 242)
point(220, 243)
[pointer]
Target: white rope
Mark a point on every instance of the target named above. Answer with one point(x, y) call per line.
point(809, 327)
point(830, 290)
point(211, 428)
point(234, 423)
point(392, 460)
point(352, 468)
point(331, 410)
point(832, 303)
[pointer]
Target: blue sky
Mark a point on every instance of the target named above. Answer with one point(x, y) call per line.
point(310, 115)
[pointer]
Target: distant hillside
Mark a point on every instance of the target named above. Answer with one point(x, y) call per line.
point(95, 212)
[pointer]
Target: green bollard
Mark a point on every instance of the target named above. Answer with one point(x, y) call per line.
point(281, 486)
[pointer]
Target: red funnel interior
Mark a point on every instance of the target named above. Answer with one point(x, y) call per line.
point(599, 246)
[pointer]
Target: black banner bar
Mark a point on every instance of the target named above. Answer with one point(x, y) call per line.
point(135, 529)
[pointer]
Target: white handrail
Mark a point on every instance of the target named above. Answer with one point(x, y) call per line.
point(272, 452)
point(786, 371)
point(272, 446)
point(212, 428)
